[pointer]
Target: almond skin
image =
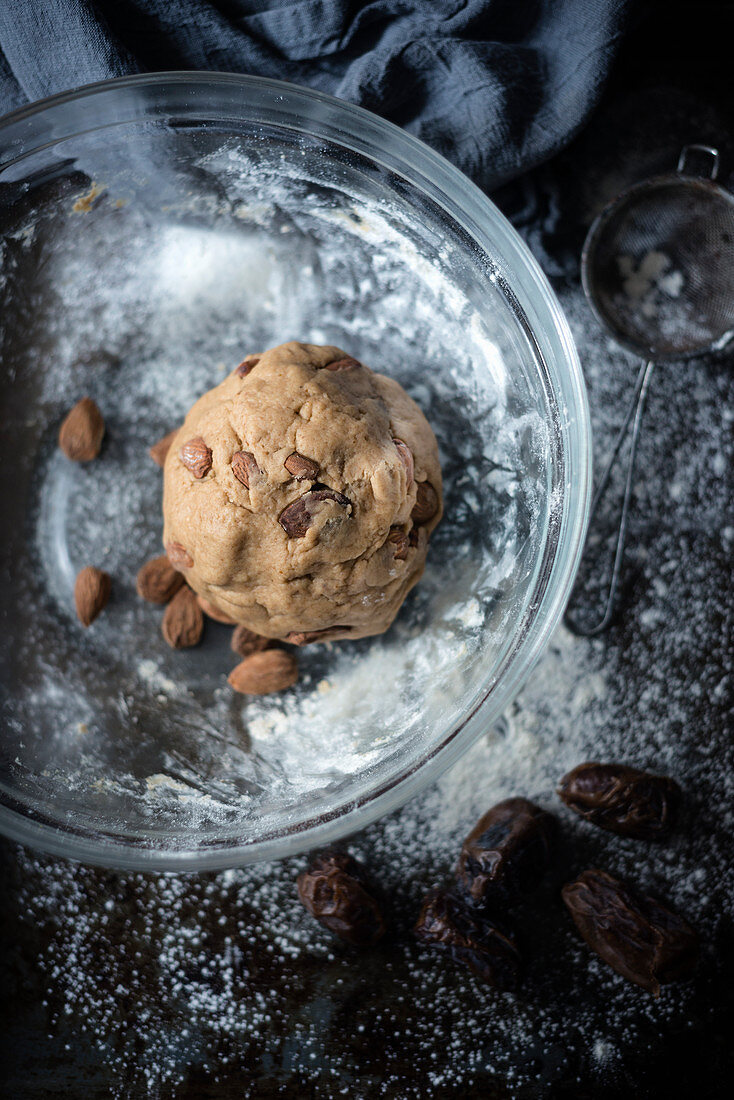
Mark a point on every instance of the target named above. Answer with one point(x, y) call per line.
point(296, 517)
point(426, 503)
point(348, 363)
point(406, 457)
point(263, 673)
point(197, 457)
point(246, 366)
point(400, 542)
point(214, 613)
point(326, 634)
point(183, 621)
point(244, 467)
point(160, 449)
point(80, 435)
point(91, 592)
point(245, 642)
point(300, 467)
point(179, 556)
point(158, 581)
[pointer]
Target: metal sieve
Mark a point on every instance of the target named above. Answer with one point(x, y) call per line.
point(657, 268)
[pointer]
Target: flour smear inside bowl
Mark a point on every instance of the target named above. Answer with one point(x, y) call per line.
point(146, 297)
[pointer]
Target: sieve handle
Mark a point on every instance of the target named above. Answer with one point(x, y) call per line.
point(634, 416)
point(699, 160)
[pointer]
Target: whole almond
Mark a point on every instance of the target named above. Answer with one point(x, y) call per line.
point(426, 503)
point(300, 467)
point(400, 543)
point(214, 613)
point(183, 621)
point(245, 642)
point(80, 435)
point(326, 634)
point(246, 366)
point(297, 517)
point(158, 581)
point(197, 457)
point(244, 467)
point(160, 449)
point(179, 556)
point(263, 673)
point(406, 457)
point(347, 363)
point(91, 592)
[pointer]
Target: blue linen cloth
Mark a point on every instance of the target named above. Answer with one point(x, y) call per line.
point(497, 86)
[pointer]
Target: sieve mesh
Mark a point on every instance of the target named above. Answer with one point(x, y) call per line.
point(658, 267)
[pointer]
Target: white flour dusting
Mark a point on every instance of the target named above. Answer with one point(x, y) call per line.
point(185, 299)
point(224, 977)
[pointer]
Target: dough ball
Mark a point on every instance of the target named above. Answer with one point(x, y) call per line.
point(300, 494)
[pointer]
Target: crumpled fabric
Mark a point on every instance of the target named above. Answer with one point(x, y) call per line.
point(496, 86)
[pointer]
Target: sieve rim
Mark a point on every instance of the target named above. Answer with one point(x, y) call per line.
point(593, 236)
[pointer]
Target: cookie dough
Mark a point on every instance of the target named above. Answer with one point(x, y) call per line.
point(300, 494)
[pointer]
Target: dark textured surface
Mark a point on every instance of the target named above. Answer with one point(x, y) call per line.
point(323, 1022)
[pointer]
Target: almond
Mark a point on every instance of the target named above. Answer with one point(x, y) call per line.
point(80, 435)
point(160, 449)
point(197, 457)
point(406, 457)
point(244, 467)
point(214, 613)
point(246, 642)
point(183, 621)
point(399, 542)
point(426, 503)
point(158, 581)
point(326, 634)
point(179, 556)
point(263, 673)
point(347, 363)
point(246, 366)
point(297, 517)
point(91, 593)
point(300, 467)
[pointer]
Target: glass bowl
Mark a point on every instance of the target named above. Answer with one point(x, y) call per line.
point(156, 229)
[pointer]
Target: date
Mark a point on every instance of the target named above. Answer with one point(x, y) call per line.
point(336, 891)
point(622, 800)
point(507, 852)
point(637, 936)
point(446, 925)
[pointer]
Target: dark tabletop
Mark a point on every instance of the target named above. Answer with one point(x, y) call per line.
point(221, 986)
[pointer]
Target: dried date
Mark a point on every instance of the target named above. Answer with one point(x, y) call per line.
point(621, 799)
point(445, 924)
point(335, 890)
point(637, 936)
point(507, 852)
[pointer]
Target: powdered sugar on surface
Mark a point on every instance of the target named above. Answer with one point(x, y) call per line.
point(229, 973)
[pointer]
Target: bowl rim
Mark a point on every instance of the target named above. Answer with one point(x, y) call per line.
point(467, 205)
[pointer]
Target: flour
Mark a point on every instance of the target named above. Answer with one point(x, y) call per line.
point(197, 284)
point(644, 279)
point(661, 306)
point(229, 965)
point(177, 981)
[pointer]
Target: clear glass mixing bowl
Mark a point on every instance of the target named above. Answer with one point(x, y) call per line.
point(155, 230)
